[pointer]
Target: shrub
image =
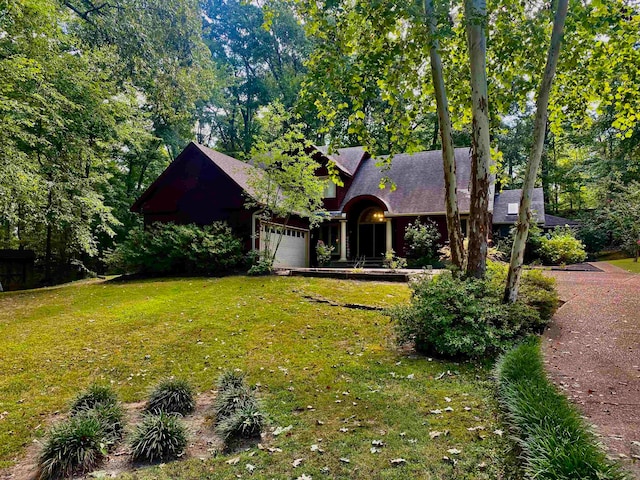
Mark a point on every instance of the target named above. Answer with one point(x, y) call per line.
point(158, 438)
point(230, 379)
point(237, 410)
point(536, 290)
point(531, 250)
point(556, 443)
point(422, 243)
point(458, 317)
point(323, 253)
point(245, 421)
point(92, 397)
point(74, 446)
point(111, 418)
point(392, 261)
point(562, 247)
point(171, 396)
point(166, 248)
point(261, 265)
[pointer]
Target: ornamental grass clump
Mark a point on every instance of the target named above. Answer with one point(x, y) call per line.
point(556, 443)
point(72, 447)
point(93, 396)
point(158, 438)
point(171, 396)
point(238, 413)
point(111, 418)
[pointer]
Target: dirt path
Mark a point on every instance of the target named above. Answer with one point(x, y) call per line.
point(592, 351)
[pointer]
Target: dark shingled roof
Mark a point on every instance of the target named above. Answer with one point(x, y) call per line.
point(504, 198)
point(551, 221)
point(419, 181)
point(346, 159)
point(240, 172)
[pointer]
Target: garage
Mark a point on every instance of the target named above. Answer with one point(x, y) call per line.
point(293, 249)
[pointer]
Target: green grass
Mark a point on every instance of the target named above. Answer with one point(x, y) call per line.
point(556, 443)
point(627, 264)
point(340, 362)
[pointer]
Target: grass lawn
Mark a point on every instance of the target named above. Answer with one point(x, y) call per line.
point(341, 362)
point(626, 263)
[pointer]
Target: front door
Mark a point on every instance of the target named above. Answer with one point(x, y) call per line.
point(371, 233)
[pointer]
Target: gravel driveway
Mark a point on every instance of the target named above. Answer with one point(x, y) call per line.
point(592, 352)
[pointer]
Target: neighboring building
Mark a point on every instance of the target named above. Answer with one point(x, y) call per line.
point(505, 210)
point(202, 186)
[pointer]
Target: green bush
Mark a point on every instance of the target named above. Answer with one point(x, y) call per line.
point(171, 396)
point(237, 410)
point(536, 290)
point(245, 421)
point(323, 253)
point(158, 438)
point(556, 443)
point(169, 249)
point(562, 247)
point(261, 265)
point(72, 447)
point(531, 249)
point(422, 243)
point(92, 397)
point(465, 317)
point(111, 418)
point(392, 261)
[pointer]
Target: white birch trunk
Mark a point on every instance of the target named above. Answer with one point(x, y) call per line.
point(448, 154)
point(476, 18)
point(539, 129)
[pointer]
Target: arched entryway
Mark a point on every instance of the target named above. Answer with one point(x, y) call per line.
point(371, 235)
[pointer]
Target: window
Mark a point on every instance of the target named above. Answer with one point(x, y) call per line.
point(512, 209)
point(329, 188)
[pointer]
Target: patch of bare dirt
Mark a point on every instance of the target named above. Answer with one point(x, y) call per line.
point(203, 443)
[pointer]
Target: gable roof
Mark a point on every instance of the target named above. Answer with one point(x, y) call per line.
point(346, 159)
point(419, 180)
point(501, 214)
point(237, 171)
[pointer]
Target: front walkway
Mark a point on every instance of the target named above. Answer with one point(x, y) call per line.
point(592, 351)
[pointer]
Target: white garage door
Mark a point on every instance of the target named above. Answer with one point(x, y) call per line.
point(292, 251)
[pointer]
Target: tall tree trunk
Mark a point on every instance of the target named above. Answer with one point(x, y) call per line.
point(476, 16)
point(542, 103)
point(448, 154)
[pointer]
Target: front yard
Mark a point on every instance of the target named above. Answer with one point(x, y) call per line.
point(333, 373)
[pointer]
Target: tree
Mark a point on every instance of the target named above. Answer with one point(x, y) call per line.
point(623, 212)
point(284, 184)
point(448, 155)
point(479, 221)
point(542, 102)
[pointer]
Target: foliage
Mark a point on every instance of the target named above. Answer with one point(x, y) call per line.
point(260, 53)
point(111, 418)
point(261, 264)
point(247, 420)
point(536, 290)
point(73, 446)
point(623, 212)
point(562, 247)
point(464, 317)
point(167, 248)
point(171, 396)
point(532, 247)
point(392, 261)
point(556, 442)
point(323, 253)
point(422, 243)
point(285, 183)
point(594, 232)
point(159, 437)
point(237, 410)
point(94, 396)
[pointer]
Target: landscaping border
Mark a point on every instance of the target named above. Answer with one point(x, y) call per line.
point(556, 443)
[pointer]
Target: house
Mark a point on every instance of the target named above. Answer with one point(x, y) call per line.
point(202, 186)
